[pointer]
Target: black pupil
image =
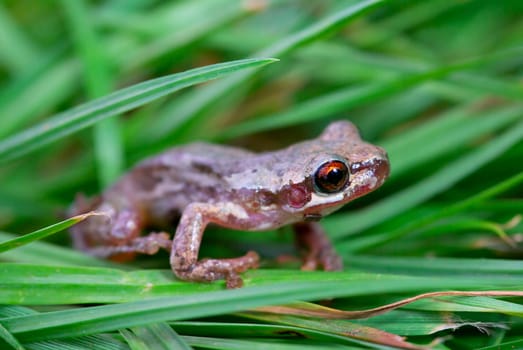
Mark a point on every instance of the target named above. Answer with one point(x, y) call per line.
point(335, 176)
point(331, 177)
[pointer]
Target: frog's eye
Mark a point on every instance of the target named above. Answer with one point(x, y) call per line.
point(332, 176)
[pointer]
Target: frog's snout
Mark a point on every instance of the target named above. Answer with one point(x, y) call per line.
point(381, 169)
point(379, 166)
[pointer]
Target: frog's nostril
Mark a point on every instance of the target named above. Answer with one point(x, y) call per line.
point(382, 169)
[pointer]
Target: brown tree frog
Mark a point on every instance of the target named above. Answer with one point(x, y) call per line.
point(200, 184)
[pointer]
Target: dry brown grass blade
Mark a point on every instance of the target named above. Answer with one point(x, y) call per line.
point(313, 310)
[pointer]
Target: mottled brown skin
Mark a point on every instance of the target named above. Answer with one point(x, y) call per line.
point(201, 184)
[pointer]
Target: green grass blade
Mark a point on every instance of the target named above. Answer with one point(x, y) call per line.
point(17, 51)
point(98, 82)
point(378, 239)
point(244, 330)
point(44, 253)
point(159, 336)
point(178, 26)
point(84, 321)
point(42, 86)
point(7, 338)
point(91, 342)
point(349, 98)
point(44, 232)
point(470, 304)
point(487, 268)
point(46, 285)
point(118, 102)
point(193, 109)
point(450, 131)
point(341, 328)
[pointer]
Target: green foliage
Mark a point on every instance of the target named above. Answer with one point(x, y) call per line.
point(436, 83)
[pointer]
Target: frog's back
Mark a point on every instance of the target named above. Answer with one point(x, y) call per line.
point(166, 183)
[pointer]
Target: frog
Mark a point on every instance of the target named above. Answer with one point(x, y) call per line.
point(202, 183)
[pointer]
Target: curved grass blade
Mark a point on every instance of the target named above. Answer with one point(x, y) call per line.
point(341, 328)
point(45, 253)
point(349, 98)
point(192, 110)
point(8, 338)
point(44, 232)
point(118, 102)
point(318, 311)
point(97, 319)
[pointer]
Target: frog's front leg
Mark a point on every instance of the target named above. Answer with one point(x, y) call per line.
point(318, 248)
point(187, 240)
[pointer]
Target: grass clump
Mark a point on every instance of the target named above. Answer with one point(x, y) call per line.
point(436, 83)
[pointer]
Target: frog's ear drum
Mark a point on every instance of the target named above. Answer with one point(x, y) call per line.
point(331, 177)
point(340, 130)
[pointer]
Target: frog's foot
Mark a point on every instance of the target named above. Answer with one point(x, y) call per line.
point(207, 270)
point(327, 258)
point(149, 245)
point(319, 250)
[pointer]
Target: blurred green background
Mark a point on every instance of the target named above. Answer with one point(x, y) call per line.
point(437, 83)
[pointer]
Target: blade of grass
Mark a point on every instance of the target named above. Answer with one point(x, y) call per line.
point(179, 25)
point(9, 339)
point(44, 232)
point(118, 102)
point(17, 51)
point(470, 304)
point(84, 321)
point(192, 112)
point(264, 344)
point(42, 86)
point(73, 285)
point(449, 131)
point(510, 345)
point(91, 342)
point(487, 268)
point(97, 319)
point(352, 97)
point(418, 323)
point(381, 238)
point(341, 328)
point(44, 253)
point(98, 82)
point(244, 329)
point(160, 336)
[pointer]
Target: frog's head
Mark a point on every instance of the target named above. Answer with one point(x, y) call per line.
point(341, 167)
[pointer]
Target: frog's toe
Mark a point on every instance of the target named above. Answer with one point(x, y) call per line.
point(325, 258)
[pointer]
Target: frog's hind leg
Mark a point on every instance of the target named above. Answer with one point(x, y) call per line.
point(116, 234)
point(311, 238)
point(149, 244)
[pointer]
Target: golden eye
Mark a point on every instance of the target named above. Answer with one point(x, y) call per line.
point(332, 176)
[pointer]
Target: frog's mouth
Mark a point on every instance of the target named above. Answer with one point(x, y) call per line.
point(379, 167)
point(311, 217)
point(368, 176)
